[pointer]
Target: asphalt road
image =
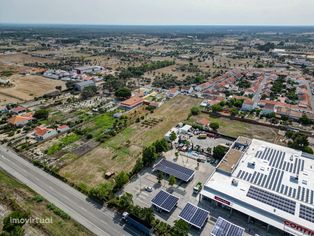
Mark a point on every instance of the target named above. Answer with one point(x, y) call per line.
point(98, 220)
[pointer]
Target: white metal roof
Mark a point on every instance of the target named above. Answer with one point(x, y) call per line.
point(280, 171)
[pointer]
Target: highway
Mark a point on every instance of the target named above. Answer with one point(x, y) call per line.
point(96, 219)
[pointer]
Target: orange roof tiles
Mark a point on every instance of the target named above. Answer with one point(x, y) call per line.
point(132, 101)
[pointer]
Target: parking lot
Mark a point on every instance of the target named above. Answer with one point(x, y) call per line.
point(184, 191)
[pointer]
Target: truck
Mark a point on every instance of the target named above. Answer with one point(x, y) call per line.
point(137, 223)
point(197, 188)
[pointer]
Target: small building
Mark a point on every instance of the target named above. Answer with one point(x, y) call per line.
point(63, 128)
point(19, 120)
point(3, 109)
point(268, 109)
point(185, 129)
point(247, 105)
point(84, 84)
point(18, 110)
point(172, 92)
point(88, 69)
point(131, 103)
point(186, 90)
point(42, 133)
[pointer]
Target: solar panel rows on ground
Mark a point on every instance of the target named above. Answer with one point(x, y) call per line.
point(194, 215)
point(226, 228)
point(175, 170)
point(165, 201)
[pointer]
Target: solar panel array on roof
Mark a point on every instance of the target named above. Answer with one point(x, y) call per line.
point(272, 180)
point(306, 213)
point(272, 199)
point(165, 201)
point(276, 160)
point(226, 228)
point(175, 170)
point(194, 215)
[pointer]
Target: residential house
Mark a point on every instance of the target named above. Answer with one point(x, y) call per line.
point(268, 109)
point(172, 92)
point(84, 84)
point(247, 105)
point(20, 120)
point(63, 128)
point(42, 133)
point(18, 110)
point(186, 90)
point(131, 103)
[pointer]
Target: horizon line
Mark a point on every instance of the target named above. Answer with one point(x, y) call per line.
point(100, 24)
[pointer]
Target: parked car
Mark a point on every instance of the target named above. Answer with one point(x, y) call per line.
point(149, 189)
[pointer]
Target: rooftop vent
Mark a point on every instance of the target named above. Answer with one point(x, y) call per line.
point(251, 164)
point(235, 182)
point(294, 178)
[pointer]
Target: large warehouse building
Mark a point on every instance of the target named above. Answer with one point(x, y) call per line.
point(271, 183)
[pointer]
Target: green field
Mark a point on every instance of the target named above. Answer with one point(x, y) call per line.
point(236, 128)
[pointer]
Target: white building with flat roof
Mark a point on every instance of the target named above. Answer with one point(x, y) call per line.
point(269, 182)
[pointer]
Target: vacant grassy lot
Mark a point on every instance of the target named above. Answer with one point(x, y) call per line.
point(27, 87)
point(237, 128)
point(15, 196)
point(121, 152)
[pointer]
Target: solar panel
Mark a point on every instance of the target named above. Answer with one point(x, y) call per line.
point(194, 215)
point(306, 213)
point(272, 199)
point(226, 228)
point(175, 170)
point(165, 201)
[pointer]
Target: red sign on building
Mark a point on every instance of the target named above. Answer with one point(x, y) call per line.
point(299, 228)
point(223, 201)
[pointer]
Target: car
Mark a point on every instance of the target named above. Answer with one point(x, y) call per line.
point(149, 189)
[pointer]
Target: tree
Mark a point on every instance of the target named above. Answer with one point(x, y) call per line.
point(121, 179)
point(216, 108)
point(13, 223)
point(147, 214)
point(125, 201)
point(103, 192)
point(58, 88)
point(219, 152)
point(160, 176)
point(234, 111)
point(172, 180)
point(149, 155)
point(214, 125)
point(173, 136)
point(161, 145)
point(123, 93)
point(41, 114)
point(88, 92)
point(195, 111)
point(180, 228)
point(304, 120)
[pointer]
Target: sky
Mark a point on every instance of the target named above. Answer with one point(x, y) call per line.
point(158, 12)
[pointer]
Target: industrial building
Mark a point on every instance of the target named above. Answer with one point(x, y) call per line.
point(267, 182)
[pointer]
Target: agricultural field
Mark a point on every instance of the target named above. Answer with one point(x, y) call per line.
point(121, 152)
point(235, 128)
point(15, 196)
